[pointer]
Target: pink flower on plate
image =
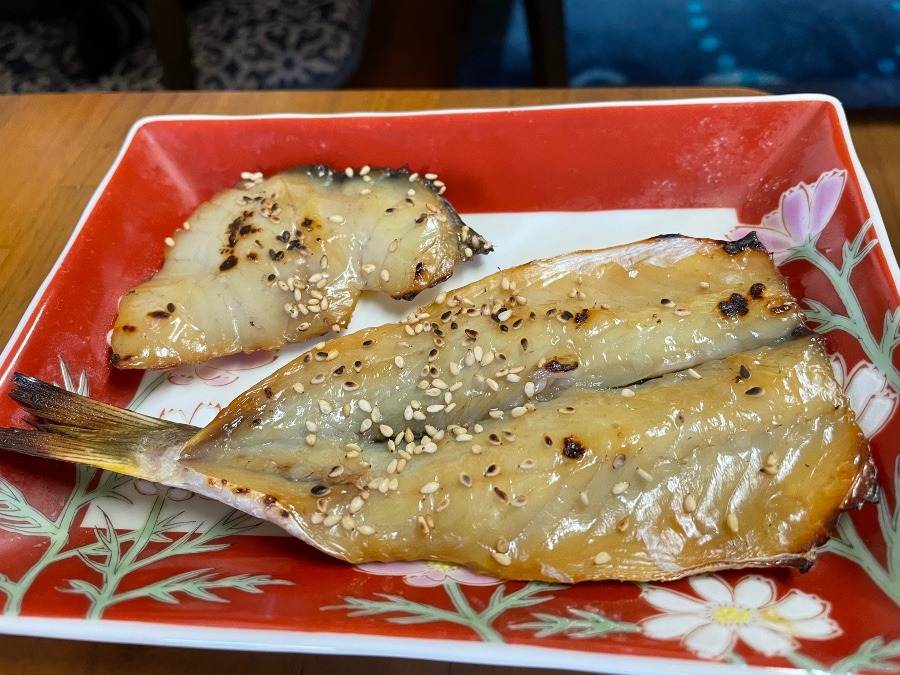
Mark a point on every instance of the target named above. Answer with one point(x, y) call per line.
point(428, 573)
point(710, 625)
point(222, 371)
point(802, 214)
point(869, 393)
point(200, 416)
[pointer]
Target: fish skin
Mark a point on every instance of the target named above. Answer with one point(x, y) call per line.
point(328, 483)
point(623, 338)
point(227, 285)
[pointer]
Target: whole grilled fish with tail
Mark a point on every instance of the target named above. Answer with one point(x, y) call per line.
point(638, 413)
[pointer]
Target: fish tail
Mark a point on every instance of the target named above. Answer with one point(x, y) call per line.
point(73, 428)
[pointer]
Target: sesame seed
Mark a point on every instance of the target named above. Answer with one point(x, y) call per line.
point(744, 372)
point(618, 462)
point(392, 466)
point(602, 558)
point(336, 219)
point(365, 425)
point(689, 503)
point(385, 275)
point(693, 373)
point(619, 488)
point(518, 411)
point(311, 426)
point(356, 504)
point(366, 169)
point(170, 242)
point(365, 529)
point(755, 391)
point(430, 488)
point(566, 410)
point(348, 523)
point(732, 521)
point(583, 498)
point(526, 464)
point(348, 172)
point(318, 379)
point(501, 558)
point(627, 393)
point(492, 471)
point(665, 302)
point(385, 430)
point(299, 388)
point(364, 405)
point(336, 471)
point(465, 479)
point(310, 440)
point(624, 524)
point(317, 518)
point(325, 406)
point(332, 520)
point(681, 311)
point(643, 474)
point(704, 285)
point(492, 384)
point(422, 524)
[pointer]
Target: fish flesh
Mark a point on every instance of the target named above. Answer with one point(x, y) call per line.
point(282, 260)
point(637, 413)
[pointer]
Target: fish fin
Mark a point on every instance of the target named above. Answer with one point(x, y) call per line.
point(74, 428)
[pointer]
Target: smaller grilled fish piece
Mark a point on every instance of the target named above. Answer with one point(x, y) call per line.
point(743, 462)
point(284, 260)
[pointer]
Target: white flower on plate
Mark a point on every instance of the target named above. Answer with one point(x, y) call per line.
point(867, 389)
point(710, 625)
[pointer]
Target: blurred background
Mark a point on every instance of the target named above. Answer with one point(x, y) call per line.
point(846, 48)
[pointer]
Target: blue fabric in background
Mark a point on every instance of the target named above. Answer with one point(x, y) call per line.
point(847, 48)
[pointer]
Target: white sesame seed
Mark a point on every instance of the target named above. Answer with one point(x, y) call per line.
point(583, 498)
point(689, 503)
point(336, 219)
point(365, 425)
point(643, 474)
point(364, 405)
point(602, 558)
point(430, 488)
point(310, 440)
point(356, 504)
point(348, 523)
point(170, 242)
point(299, 388)
point(366, 530)
point(348, 172)
point(366, 169)
point(325, 406)
point(732, 521)
point(332, 520)
point(311, 426)
point(693, 373)
point(385, 430)
point(518, 411)
point(399, 362)
point(619, 488)
point(627, 393)
point(501, 558)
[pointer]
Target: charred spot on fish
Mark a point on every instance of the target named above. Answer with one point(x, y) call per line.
point(805, 566)
point(276, 255)
point(671, 235)
point(747, 242)
point(735, 306)
point(781, 309)
point(285, 513)
point(581, 317)
point(228, 263)
point(128, 328)
point(757, 290)
point(547, 440)
point(573, 448)
point(308, 223)
point(114, 358)
point(256, 422)
point(252, 256)
point(560, 365)
point(420, 270)
point(268, 392)
point(159, 314)
point(240, 490)
point(269, 500)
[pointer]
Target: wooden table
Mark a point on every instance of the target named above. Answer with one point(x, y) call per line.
point(57, 148)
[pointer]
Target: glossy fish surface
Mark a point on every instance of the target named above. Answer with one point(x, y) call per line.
point(637, 413)
point(284, 259)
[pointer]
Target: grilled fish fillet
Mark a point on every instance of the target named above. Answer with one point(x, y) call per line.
point(640, 413)
point(283, 260)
